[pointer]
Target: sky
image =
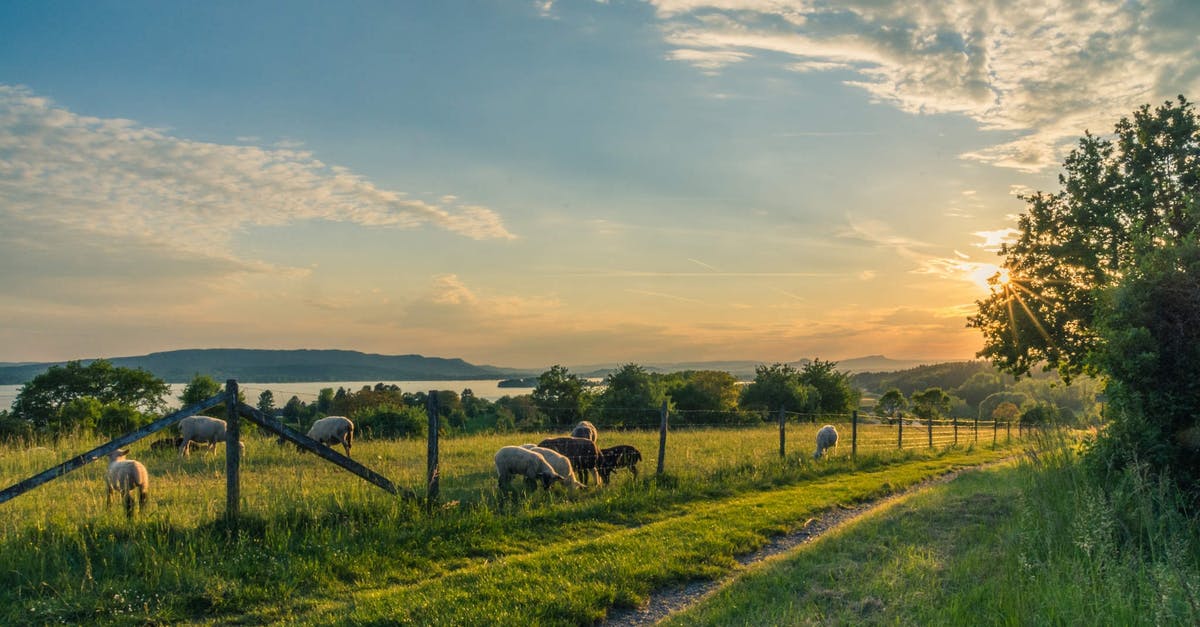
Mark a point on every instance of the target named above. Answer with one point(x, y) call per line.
point(524, 183)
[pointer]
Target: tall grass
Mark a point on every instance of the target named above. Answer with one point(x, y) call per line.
point(1039, 542)
point(310, 530)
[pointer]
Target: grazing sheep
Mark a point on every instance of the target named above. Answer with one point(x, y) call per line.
point(826, 439)
point(584, 429)
point(514, 460)
point(124, 475)
point(333, 429)
point(560, 463)
point(582, 452)
point(202, 429)
point(163, 444)
point(619, 456)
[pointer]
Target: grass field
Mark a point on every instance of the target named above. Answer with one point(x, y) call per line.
point(316, 544)
point(1034, 543)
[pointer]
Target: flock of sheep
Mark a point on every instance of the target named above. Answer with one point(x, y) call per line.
point(558, 460)
point(553, 460)
point(125, 475)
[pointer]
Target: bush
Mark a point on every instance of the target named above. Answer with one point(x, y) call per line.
point(390, 421)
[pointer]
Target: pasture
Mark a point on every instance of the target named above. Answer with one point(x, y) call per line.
point(315, 542)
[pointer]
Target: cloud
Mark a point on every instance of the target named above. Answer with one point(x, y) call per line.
point(1041, 72)
point(116, 179)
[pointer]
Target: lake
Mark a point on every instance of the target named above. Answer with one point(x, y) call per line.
point(307, 390)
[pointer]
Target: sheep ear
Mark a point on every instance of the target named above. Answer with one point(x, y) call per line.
point(123, 451)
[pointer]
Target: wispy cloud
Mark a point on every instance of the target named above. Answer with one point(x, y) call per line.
point(1044, 71)
point(115, 178)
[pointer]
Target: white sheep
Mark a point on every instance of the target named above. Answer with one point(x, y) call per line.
point(333, 429)
point(826, 439)
point(514, 460)
point(125, 475)
point(203, 429)
point(584, 429)
point(560, 463)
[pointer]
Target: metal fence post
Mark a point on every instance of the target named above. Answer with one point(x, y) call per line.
point(233, 450)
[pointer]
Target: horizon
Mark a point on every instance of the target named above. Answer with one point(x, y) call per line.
point(512, 183)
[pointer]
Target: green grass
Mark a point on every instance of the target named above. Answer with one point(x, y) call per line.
point(1035, 543)
point(316, 544)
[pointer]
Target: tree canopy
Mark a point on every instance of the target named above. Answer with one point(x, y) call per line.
point(1104, 278)
point(78, 396)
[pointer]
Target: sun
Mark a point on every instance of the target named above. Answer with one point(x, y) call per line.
point(1003, 278)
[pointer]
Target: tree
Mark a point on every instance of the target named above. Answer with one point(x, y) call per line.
point(325, 400)
point(835, 394)
point(561, 396)
point(1005, 412)
point(704, 395)
point(1102, 279)
point(778, 386)
point(931, 403)
point(979, 387)
point(890, 403)
point(200, 388)
point(266, 403)
point(630, 397)
point(42, 399)
point(1121, 200)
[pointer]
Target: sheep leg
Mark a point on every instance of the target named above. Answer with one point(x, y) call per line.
point(128, 503)
point(633, 469)
point(185, 448)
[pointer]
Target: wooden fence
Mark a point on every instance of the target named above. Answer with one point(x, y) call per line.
point(235, 410)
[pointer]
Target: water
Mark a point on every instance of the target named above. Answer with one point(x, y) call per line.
point(307, 390)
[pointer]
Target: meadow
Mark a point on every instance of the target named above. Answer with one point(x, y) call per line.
point(315, 544)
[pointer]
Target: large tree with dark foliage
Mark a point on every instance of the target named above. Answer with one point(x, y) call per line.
point(1104, 277)
point(43, 399)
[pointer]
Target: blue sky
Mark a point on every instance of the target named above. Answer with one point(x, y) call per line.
point(529, 183)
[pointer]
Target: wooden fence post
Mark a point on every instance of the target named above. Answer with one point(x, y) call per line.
point(1008, 430)
point(995, 427)
point(930, 429)
point(233, 450)
point(900, 433)
point(662, 438)
point(432, 473)
point(977, 425)
point(782, 433)
point(854, 434)
point(956, 430)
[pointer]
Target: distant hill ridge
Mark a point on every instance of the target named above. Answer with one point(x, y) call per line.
point(284, 366)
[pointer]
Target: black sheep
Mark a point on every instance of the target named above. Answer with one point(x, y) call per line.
point(582, 452)
point(620, 456)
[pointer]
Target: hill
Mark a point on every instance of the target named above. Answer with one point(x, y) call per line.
point(282, 366)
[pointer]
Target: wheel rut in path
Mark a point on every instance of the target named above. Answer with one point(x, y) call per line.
point(663, 603)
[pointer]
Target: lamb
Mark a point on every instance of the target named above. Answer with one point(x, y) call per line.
point(125, 475)
point(514, 460)
point(560, 463)
point(619, 456)
point(333, 429)
point(827, 438)
point(202, 429)
point(584, 429)
point(582, 452)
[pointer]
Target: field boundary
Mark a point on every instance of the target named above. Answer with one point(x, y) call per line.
point(665, 602)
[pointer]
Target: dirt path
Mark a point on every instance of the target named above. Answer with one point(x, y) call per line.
point(664, 602)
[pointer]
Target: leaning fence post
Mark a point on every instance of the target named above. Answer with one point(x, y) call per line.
point(782, 433)
point(431, 456)
point(662, 438)
point(854, 434)
point(233, 450)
